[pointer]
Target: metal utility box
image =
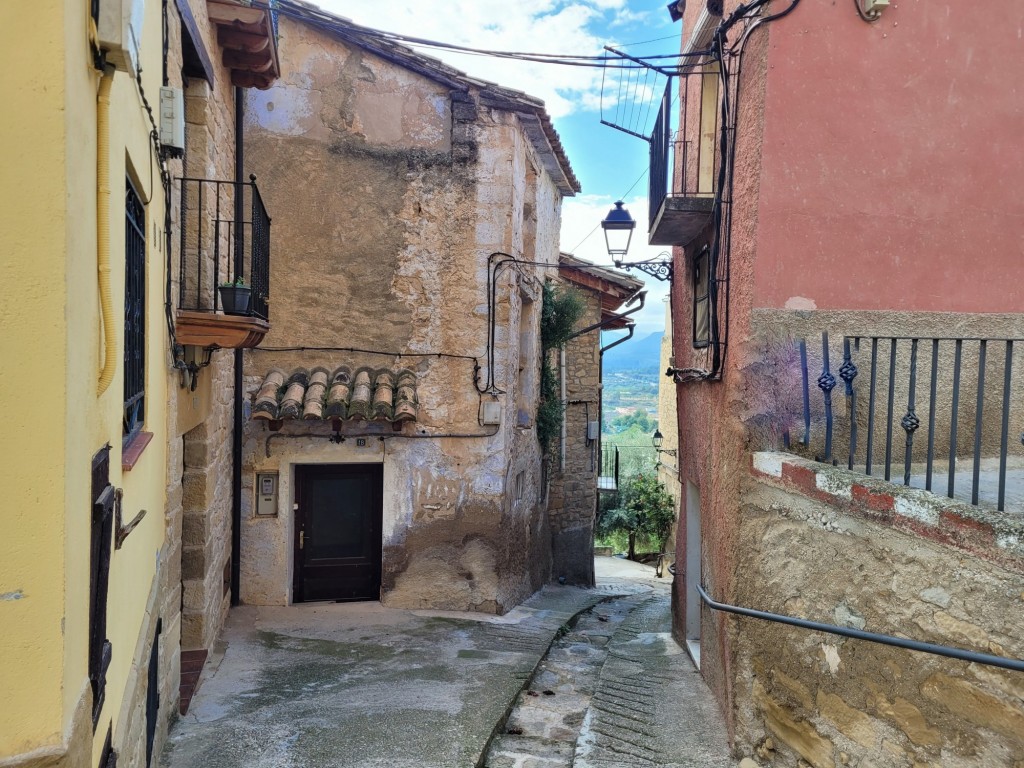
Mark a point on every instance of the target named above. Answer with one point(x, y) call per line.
point(266, 494)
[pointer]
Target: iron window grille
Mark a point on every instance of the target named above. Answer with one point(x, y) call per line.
point(701, 300)
point(134, 314)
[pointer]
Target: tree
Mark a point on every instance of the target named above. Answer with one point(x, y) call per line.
point(645, 509)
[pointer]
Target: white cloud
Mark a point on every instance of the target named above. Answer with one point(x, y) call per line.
point(534, 26)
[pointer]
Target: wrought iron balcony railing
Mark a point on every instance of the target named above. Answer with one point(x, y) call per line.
point(225, 239)
point(684, 158)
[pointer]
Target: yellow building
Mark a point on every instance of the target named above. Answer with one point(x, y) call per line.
point(90, 561)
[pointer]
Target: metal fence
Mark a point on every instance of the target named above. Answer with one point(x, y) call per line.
point(958, 401)
point(619, 462)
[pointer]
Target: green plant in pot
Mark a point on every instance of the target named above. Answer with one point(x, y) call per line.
point(235, 296)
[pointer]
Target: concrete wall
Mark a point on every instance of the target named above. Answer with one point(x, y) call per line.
point(668, 425)
point(827, 545)
point(572, 494)
point(889, 163)
point(388, 193)
point(848, 213)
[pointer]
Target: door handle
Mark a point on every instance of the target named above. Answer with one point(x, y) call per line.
point(302, 539)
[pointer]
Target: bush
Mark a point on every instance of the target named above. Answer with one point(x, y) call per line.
point(560, 310)
point(645, 510)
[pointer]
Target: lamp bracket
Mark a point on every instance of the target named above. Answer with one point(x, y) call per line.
point(659, 270)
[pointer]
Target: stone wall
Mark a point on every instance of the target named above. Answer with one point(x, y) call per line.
point(831, 546)
point(572, 494)
point(389, 191)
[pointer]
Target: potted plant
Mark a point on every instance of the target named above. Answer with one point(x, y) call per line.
point(235, 296)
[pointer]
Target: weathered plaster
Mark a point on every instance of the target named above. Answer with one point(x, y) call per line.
point(389, 192)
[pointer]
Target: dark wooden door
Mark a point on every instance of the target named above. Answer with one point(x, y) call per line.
point(338, 521)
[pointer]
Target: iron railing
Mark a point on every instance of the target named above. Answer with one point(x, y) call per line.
point(683, 158)
point(963, 392)
point(622, 461)
point(225, 236)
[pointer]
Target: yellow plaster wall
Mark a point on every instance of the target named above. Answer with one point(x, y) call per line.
point(33, 342)
point(133, 567)
point(51, 342)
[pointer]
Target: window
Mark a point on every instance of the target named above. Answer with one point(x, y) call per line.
point(701, 301)
point(134, 314)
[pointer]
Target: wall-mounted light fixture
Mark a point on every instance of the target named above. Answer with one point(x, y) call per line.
point(618, 228)
point(871, 10)
point(657, 439)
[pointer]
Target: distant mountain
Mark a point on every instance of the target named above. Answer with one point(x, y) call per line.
point(643, 355)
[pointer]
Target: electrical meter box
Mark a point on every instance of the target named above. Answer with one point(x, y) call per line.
point(172, 120)
point(490, 413)
point(266, 494)
point(593, 430)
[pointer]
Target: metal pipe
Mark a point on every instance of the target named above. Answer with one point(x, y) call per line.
point(1003, 662)
point(109, 364)
point(565, 405)
point(236, 442)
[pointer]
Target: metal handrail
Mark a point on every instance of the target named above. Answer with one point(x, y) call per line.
point(1017, 665)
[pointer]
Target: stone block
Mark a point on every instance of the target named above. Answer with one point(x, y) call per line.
point(798, 735)
point(852, 723)
point(979, 707)
point(194, 529)
point(909, 719)
point(193, 563)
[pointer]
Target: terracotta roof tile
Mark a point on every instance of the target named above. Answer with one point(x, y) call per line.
point(368, 394)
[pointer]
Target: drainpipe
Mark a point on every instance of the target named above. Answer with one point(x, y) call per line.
point(236, 442)
point(565, 405)
point(103, 229)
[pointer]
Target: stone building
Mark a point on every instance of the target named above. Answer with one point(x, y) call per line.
point(98, 591)
point(837, 207)
point(572, 493)
point(391, 452)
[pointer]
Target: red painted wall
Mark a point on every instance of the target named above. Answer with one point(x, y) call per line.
point(892, 168)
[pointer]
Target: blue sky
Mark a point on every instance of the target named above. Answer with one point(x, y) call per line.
point(606, 161)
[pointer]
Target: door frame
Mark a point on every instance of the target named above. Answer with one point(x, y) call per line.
point(298, 515)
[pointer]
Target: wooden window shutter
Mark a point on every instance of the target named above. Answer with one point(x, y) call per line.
point(100, 650)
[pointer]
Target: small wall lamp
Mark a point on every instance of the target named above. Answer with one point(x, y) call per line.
point(657, 439)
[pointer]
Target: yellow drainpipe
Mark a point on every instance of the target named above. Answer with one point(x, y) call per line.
point(103, 229)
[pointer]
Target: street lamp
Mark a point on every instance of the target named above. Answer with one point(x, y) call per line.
point(618, 228)
point(657, 439)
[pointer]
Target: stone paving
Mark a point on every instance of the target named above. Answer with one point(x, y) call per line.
point(324, 685)
point(616, 691)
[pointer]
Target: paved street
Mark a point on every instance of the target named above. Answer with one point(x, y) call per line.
point(360, 685)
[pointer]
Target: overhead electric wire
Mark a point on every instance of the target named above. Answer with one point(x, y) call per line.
point(632, 186)
point(330, 23)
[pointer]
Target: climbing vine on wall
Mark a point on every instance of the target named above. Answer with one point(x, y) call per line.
point(561, 309)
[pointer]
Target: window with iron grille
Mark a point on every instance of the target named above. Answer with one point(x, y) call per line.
point(134, 313)
point(701, 301)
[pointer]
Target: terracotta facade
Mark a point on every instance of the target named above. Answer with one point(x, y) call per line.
point(847, 217)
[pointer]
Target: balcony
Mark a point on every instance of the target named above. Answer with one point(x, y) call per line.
point(225, 243)
point(684, 161)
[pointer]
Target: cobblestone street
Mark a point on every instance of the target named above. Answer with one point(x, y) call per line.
point(573, 677)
